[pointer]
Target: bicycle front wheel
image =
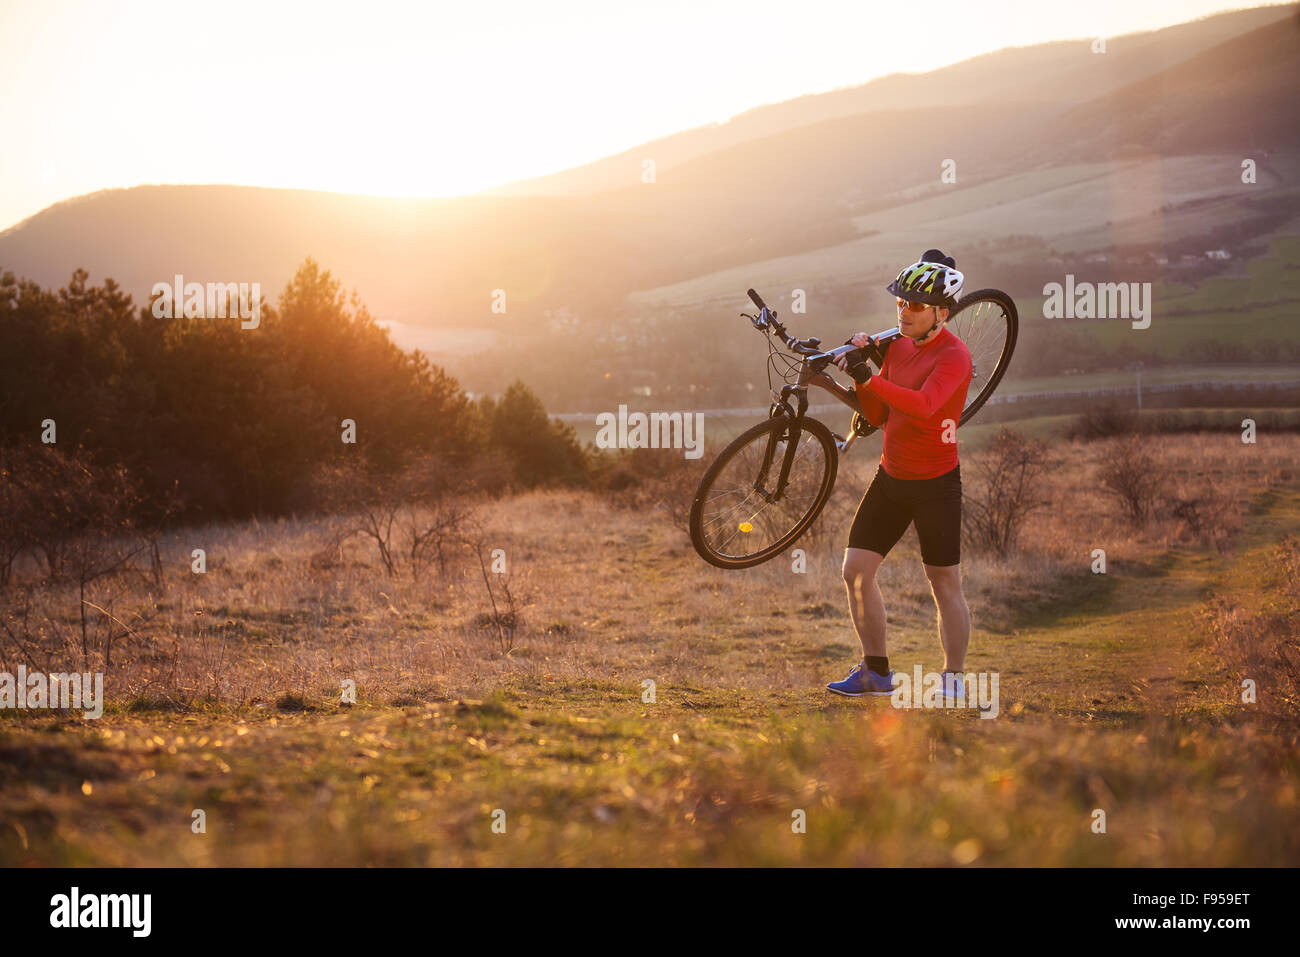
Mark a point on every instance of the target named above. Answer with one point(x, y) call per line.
point(737, 519)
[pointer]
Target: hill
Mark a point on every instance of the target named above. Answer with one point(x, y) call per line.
point(1062, 72)
point(837, 185)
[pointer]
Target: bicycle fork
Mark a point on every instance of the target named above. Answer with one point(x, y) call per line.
point(790, 434)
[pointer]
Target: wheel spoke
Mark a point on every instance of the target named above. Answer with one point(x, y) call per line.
point(985, 328)
point(737, 520)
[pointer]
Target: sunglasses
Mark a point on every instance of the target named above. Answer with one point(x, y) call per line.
point(912, 306)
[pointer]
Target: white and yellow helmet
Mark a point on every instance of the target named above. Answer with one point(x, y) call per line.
point(934, 280)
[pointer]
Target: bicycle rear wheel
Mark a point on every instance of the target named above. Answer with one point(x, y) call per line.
point(988, 323)
point(735, 522)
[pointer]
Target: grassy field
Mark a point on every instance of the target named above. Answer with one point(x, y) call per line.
point(1118, 692)
point(1073, 204)
point(1260, 305)
point(1073, 209)
point(1167, 375)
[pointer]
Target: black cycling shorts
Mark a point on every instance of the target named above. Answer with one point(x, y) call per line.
point(891, 504)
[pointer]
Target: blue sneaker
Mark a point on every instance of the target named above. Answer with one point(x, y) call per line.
point(862, 681)
point(954, 689)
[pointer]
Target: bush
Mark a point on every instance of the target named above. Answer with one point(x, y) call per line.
point(76, 521)
point(648, 480)
point(75, 518)
point(1203, 516)
point(1131, 476)
point(1005, 490)
point(416, 518)
point(542, 450)
point(1104, 422)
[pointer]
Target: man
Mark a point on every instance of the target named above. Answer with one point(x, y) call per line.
point(918, 396)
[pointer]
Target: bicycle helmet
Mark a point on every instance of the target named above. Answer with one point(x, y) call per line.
point(934, 280)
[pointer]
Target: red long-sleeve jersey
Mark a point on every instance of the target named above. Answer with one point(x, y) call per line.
point(916, 391)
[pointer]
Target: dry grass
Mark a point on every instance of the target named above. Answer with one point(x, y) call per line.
point(607, 584)
point(1251, 626)
point(226, 696)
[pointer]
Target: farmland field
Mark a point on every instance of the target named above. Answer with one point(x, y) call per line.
point(1074, 208)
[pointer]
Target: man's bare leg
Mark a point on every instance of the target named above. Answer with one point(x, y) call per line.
point(954, 616)
point(866, 604)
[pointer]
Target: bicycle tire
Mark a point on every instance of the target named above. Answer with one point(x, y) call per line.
point(1008, 346)
point(809, 429)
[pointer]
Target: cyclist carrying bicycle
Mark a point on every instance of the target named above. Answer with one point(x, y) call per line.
point(918, 396)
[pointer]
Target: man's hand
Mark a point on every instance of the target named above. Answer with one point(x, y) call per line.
point(855, 362)
point(857, 367)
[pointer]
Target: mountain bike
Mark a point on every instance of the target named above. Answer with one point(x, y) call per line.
point(768, 486)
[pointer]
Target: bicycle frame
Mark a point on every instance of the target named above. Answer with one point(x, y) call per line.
point(810, 373)
point(849, 396)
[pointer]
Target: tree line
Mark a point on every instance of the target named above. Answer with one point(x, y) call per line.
point(203, 419)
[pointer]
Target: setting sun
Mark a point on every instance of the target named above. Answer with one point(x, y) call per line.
point(439, 99)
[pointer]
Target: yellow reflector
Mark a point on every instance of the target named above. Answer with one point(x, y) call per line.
point(746, 527)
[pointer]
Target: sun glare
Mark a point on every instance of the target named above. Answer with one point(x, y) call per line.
point(403, 99)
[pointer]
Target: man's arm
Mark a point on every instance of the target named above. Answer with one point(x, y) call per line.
point(873, 409)
point(948, 373)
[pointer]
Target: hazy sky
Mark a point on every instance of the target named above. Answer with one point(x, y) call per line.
point(438, 98)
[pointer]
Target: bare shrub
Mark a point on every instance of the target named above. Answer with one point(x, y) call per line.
point(1007, 487)
point(1131, 476)
point(1104, 422)
point(329, 556)
point(415, 519)
point(1204, 516)
point(69, 515)
point(651, 480)
point(26, 629)
point(504, 618)
point(78, 521)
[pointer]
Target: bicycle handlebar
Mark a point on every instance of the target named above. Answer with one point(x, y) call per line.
point(810, 348)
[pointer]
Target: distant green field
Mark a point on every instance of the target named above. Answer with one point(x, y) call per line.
point(1155, 376)
point(1260, 305)
point(1080, 207)
point(1170, 335)
point(977, 434)
point(1230, 208)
